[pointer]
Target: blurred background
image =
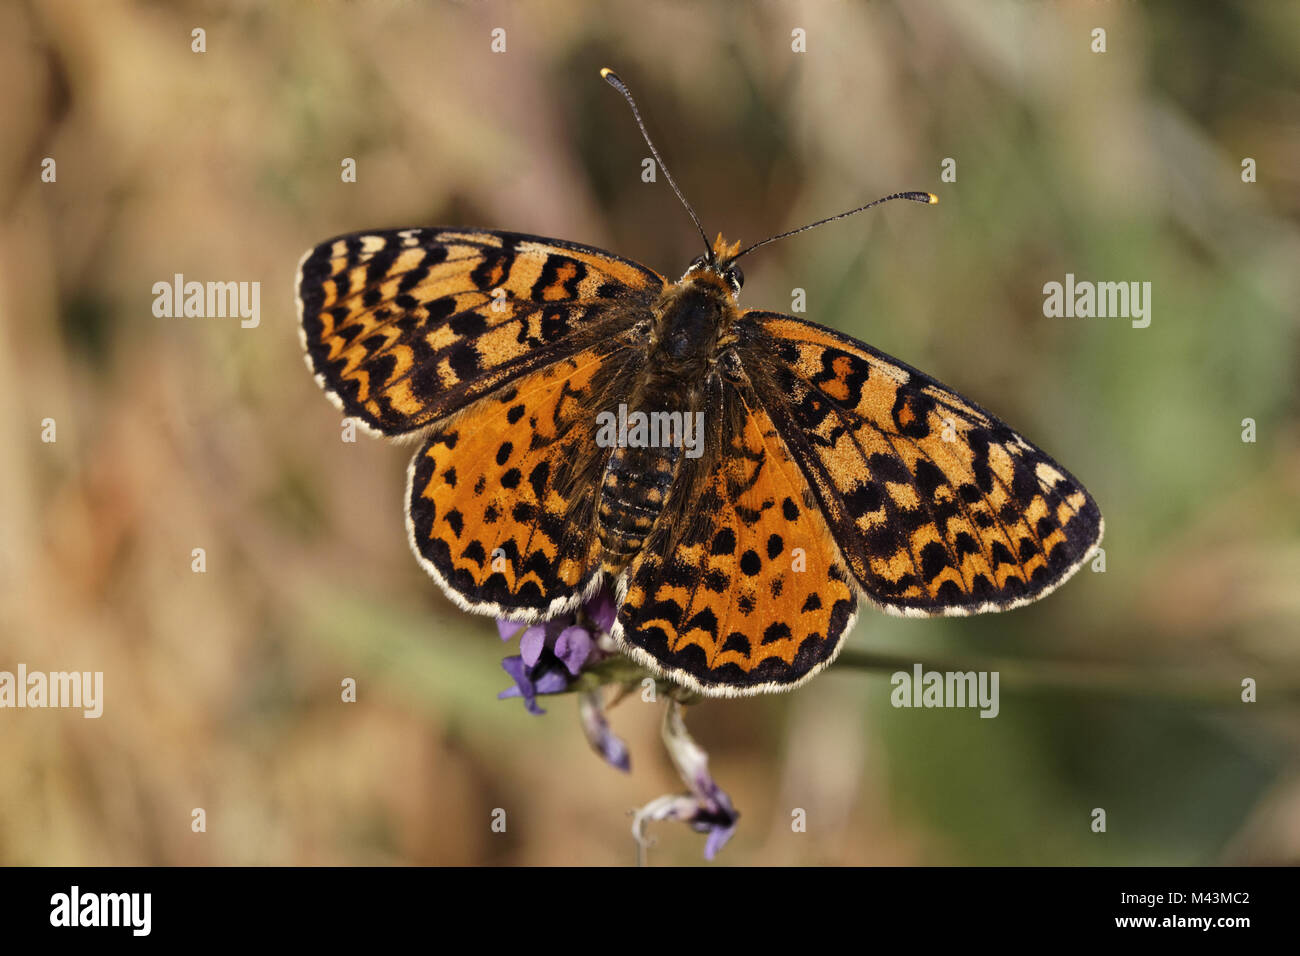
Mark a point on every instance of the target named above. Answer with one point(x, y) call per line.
point(1121, 691)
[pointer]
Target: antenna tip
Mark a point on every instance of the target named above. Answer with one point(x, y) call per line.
point(609, 76)
point(933, 198)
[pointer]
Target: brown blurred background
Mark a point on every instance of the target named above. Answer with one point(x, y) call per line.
point(1121, 691)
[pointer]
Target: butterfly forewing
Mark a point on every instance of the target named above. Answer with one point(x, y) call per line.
point(936, 505)
point(403, 327)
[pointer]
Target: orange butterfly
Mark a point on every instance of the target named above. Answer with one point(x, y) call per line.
point(741, 477)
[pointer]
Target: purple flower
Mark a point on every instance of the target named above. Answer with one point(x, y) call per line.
point(718, 818)
point(552, 654)
point(538, 668)
point(530, 682)
point(558, 656)
point(707, 808)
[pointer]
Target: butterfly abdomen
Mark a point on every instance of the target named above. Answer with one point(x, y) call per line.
point(633, 490)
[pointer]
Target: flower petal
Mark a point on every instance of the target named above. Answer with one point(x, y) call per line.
point(718, 837)
point(531, 644)
point(574, 646)
point(551, 682)
point(515, 667)
point(601, 609)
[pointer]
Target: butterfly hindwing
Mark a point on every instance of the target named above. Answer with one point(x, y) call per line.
point(403, 327)
point(936, 505)
point(740, 589)
point(501, 497)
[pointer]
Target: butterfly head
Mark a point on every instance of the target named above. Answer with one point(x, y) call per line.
point(718, 263)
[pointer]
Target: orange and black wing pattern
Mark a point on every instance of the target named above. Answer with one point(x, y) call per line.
point(739, 589)
point(936, 506)
point(501, 496)
point(404, 327)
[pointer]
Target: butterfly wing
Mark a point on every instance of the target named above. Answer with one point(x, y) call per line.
point(936, 506)
point(406, 326)
point(501, 496)
point(739, 589)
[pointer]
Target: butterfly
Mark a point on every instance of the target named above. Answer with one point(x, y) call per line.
point(741, 477)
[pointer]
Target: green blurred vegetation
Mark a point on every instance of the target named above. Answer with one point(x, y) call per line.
point(1122, 690)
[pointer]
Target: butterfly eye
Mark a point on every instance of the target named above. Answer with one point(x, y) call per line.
point(696, 263)
point(736, 277)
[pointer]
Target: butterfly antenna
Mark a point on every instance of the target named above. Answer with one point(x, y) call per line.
point(928, 198)
point(613, 80)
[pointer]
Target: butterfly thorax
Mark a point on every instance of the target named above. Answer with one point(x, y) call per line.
point(691, 326)
point(692, 318)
